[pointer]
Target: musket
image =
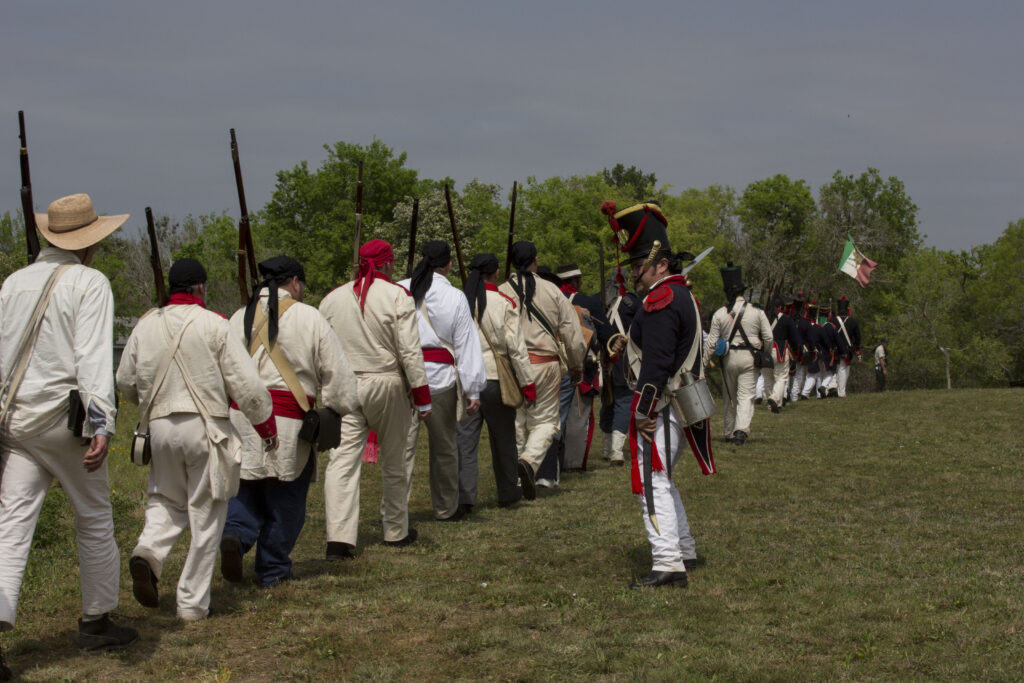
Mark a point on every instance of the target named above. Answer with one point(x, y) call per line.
point(154, 260)
point(412, 234)
point(27, 206)
point(511, 231)
point(455, 233)
point(604, 287)
point(359, 221)
point(246, 253)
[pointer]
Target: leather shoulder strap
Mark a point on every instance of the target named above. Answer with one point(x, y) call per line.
point(261, 337)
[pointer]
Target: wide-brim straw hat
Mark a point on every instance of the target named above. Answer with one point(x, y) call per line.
point(71, 223)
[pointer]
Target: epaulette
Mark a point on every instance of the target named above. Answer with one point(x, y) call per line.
point(658, 299)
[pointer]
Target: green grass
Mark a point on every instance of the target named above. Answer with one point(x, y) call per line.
point(876, 537)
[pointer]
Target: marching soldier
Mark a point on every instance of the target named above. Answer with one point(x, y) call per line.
point(615, 413)
point(184, 366)
point(814, 338)
point(828, 334)
point(786, 344)
point(738, 331)
point(551, 329)
point(501, 339)
point(375, 320)
point(848, 340)
point(451, 351)
point(664, 341)
point(296, 353)
point(68, 349)
point(802, 318)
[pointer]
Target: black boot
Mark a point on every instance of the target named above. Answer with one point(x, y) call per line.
point(231, 559)
point(657, 579)
point(103, 634)
point(337, 551)
point(526, 479)
point(739, 437)
point(143, 582)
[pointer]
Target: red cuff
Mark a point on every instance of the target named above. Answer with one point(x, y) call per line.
point(421, 395)
point(267, 429)
point(530, 391)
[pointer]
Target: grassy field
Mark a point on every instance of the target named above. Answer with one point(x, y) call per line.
point(876, 537)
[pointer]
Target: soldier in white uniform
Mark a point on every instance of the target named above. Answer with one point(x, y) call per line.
point(270, 508)
point(376, 323)
point(71, 350)
point(453, 360)
point(738, 359)
point(184, 366)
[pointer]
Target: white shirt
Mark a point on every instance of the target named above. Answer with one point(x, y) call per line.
point(451, 326)
point(74, 349)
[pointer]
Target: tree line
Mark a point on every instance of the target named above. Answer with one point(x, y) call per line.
point(953, 318)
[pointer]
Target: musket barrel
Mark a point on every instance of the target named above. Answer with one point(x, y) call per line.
point(455, 233)
point(511, 230)
point(412, 234)
point(357, 232)
point(27, 205)
point(154, 259)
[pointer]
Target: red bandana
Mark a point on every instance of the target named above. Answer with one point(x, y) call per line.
point(373, 254)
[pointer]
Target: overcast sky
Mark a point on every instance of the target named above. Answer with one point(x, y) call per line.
point(132, 101)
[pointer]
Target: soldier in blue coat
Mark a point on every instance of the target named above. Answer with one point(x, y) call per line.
point(848, 341)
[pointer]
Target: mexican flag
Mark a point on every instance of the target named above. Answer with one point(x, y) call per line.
point(855, 264)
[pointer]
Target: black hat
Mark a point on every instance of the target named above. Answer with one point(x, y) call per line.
point(842, 306)
point(638, 227)
point(544, 272)
point(523, 254)
point(799, 298)
point(185, 273)
point(732, 278)
point(568, 271)
point(436, 254)
point(280, 269)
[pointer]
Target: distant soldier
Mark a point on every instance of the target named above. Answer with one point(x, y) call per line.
point(615, 413)
point(56, 337)
point(451, 352)
point(184, 367)
point(664, 343)
point(571, 448)
point(785, 345)
point(297, 354)
point(501, 338)
point(737, 331)
point(828, 374)
point(881, 364)
point(818, 347)
point(376, 323)
point(551, 329)
point(802, 318)
point(848, 338)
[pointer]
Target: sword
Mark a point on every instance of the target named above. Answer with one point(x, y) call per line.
point(648, 481)
point(694, 262)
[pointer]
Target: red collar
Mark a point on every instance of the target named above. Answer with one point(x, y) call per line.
point(673, 280)
point(184, 299)
point(491, 287)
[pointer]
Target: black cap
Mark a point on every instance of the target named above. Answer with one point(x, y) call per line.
point(842, 306)
point(281, 269)
point(732, 278)
point(638, 227)
point(185, 273)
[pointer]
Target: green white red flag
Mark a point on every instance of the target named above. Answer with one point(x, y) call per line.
point(855, 264)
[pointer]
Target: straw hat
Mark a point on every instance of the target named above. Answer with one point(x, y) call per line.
point(71, 223)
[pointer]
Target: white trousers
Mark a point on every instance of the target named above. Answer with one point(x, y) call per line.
point(740, 378)
point(28, 468)
point(179, 498)
point(386, 409)
point(797, 384)
point(675, 543)
point(759, 387)
point(538, 425)
point(842, 376)
point(775, 379)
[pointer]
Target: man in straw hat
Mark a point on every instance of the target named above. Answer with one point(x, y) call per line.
point(56, 349)
point(184, 367)
point(297, 353)
point(376, 323)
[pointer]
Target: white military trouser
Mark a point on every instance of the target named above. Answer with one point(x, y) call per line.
point(797, 385)
point(386, 409)
point(538, 425)
point(180, 497)
point(774, 379)
point(740, 378)
point(28, 469)
point(842, 376)
point(675, 543)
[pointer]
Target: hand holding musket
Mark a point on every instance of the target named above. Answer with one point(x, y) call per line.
point(154, 260)
point(27, 206)
point(246, 253)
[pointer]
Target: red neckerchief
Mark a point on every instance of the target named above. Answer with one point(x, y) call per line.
point(491, 287)
point(366, 276)
point(568, 289)
point(184, 299)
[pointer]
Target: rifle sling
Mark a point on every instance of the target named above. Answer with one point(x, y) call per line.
point(261, 337)
point(531, 309)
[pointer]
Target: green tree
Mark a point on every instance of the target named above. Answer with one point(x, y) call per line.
point(633, 181)
point(311, 214)
point(13, 254)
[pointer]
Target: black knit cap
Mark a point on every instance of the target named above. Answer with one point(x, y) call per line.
point(475, 289)
point(276, 271)
point(436, 254)
point(185, 273)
